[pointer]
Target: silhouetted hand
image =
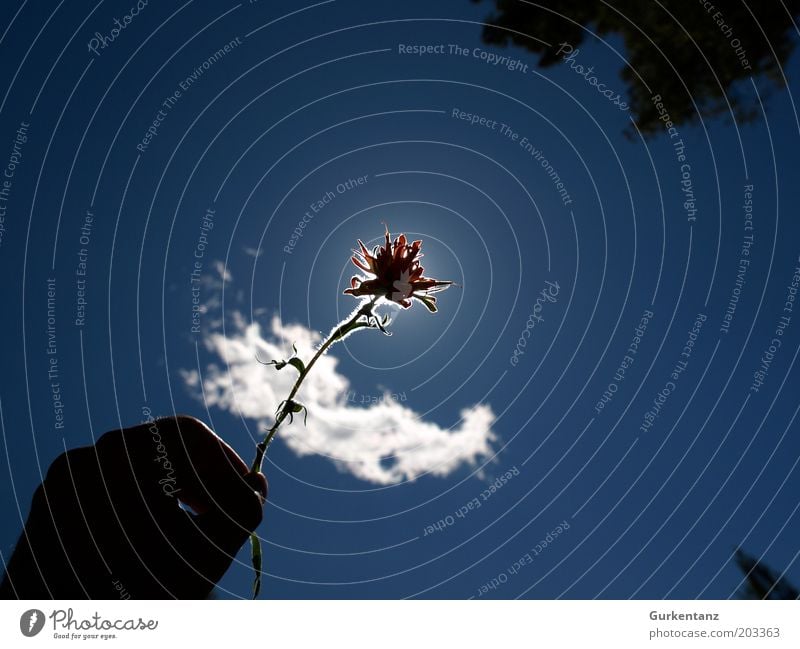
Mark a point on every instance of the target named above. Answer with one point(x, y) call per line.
point(106, 522)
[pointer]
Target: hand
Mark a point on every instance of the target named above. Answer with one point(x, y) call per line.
point(106, 522)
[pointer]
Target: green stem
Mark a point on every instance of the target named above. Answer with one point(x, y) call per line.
point(340, 332)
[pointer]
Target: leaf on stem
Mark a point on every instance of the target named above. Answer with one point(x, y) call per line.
point(290, 408)
point(295, 407)
point(279, 365)
point(299, 365)
point(294, 361)
point(381, 323)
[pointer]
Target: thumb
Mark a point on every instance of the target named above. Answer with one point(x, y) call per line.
point(220, 532)
point(237, 512)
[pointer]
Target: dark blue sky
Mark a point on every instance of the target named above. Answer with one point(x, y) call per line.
point(148, 133)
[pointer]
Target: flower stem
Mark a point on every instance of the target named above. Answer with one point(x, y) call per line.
point(338, 333)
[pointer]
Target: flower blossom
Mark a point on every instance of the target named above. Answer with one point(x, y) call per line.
point(397, 273)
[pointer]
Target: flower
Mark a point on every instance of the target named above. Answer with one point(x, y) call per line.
point(397, 273)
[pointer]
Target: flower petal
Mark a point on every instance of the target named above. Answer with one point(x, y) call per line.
point(358, 262)
point(428, 301)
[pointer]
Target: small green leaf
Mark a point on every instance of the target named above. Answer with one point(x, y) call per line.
point(278, 364)
point(381, 323)
point(293, 407)
point(293, 361)
point(289, 408)
point(255, 554)
point(299, 365)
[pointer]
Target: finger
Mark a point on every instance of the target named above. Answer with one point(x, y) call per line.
point(212, 475)
point(224, 533)
point(178, 456)
point(106, 508)
point(184, 458)
point(259, 483)
point(243, 510)
point(243, 514)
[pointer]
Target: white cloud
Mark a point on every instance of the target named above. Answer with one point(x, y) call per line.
point(384, 443)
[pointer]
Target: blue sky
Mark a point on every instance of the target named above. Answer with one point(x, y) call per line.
point(411, 429)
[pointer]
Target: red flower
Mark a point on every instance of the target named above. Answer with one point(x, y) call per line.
point(397, 273)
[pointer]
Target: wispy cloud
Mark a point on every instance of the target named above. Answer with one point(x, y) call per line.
point(383, 443)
